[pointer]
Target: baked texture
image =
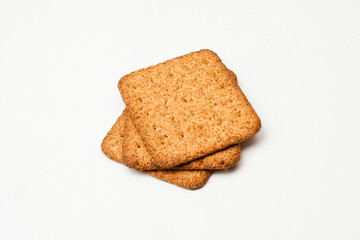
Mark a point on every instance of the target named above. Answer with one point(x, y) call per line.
point(112, 148)
point(135, 154)
point(188, 107)
point(186, 179)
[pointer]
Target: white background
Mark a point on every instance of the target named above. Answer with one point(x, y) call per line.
point(297, 61)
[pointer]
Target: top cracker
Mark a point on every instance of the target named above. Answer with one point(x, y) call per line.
point(188, 107)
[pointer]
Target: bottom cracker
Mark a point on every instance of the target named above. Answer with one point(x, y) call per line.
point(112, 148)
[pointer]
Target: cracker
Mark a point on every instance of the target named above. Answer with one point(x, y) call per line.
point(136, 156)
point(112, 148)
point(188, 107)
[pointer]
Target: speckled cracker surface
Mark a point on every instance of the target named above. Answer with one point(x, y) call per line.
point(187, 179)
point(135, 154)
point(188, 107)
point(112, 148)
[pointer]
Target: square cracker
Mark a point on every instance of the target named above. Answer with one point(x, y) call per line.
point(112, 148)
point(135, 154)
point(188, 107)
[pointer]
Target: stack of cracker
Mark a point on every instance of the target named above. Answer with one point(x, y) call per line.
point(184, 118)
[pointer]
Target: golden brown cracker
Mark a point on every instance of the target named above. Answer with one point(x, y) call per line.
point(188, 107)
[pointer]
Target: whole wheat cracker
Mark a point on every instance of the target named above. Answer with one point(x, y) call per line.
point(188, 107)
point(112, 148)
point(135, 154)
